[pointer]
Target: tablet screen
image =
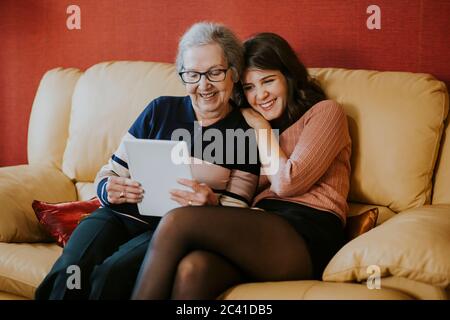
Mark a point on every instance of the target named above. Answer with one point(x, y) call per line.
point(156, 165)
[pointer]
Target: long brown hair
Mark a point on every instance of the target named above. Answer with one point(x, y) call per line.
point(269, 51)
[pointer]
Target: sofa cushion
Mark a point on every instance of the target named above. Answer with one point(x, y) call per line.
point(310, 290)
point(417, 290)
point(396, 120)
point(85, 190)
point(19, 186)
point(107, 99)
point(10, 296)
point(23, 266)
point(414, 245)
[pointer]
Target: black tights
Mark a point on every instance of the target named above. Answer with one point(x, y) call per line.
point(198, 252)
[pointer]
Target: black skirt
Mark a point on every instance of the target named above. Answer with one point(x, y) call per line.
point(322, 231)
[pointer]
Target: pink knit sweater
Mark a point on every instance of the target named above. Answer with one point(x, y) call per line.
point(317, 172)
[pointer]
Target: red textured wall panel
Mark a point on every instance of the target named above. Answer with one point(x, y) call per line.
point(414, 36)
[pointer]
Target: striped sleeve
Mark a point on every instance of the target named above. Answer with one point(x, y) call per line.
point(117, 166)
point(240, 189)
point(323, 137)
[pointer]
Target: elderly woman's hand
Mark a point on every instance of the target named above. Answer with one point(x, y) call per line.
point(201, 195)
point(122, 190)
point(255, 119)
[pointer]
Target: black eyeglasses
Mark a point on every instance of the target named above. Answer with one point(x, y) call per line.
point(213, 75)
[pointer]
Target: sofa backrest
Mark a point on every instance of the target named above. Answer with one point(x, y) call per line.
point(441, 189)
point(396, 121)
point(50, 115)
point(107, 99)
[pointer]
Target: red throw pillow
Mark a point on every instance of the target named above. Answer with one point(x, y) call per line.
point(357, 225)
point(60, 219)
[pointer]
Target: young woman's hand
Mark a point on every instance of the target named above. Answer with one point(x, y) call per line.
point(255, 119)
point(201, 194)
point(122, 190)
point(270, 153)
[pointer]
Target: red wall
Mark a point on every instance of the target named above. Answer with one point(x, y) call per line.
point(414, 36)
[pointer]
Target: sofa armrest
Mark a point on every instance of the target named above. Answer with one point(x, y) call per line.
point(19, 186)
point(414, 245)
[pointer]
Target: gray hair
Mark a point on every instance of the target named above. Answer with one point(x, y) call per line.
point(203, 33)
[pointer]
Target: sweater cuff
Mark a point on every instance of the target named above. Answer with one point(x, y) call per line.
point(102, 193)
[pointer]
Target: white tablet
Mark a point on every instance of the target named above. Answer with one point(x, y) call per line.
point(156, 165)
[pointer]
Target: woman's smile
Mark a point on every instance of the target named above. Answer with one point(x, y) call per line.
point(266, 106)
point(207, 96)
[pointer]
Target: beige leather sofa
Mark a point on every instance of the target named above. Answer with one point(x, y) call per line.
point(400, 163)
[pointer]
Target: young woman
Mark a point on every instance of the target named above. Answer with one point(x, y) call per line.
point(197, 252)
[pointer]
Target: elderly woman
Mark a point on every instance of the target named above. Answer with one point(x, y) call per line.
point(109, 245)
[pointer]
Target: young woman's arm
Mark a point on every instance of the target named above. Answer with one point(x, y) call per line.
point(324, 135)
